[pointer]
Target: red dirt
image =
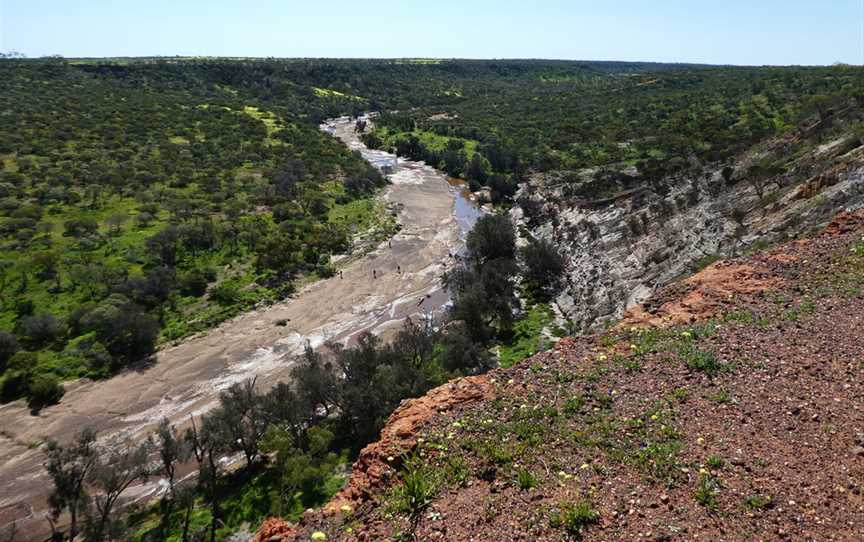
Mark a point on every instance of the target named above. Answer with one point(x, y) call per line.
point(273, 530)
point(845, 222)
point(704, 295)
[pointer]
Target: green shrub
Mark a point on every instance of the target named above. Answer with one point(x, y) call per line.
point(574, 404)
point(15, 386)
point(573, 517)
point(194, 282)
point(8, 347)
point(700, 360)
point(225, 293)
point(45, 390)
point(526, 480)
point(715, 462)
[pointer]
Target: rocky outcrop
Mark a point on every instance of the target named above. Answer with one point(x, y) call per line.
point(704, 295)
point(273, 530)
point(378, 461)
point(621, 250)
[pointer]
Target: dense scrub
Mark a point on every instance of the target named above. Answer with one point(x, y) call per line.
point(572, 116)
point(140, 203)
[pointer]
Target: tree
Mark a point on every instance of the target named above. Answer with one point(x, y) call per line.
point(116, 221)
point(317, 383)
point(19, 372)
point(476, 170)
point(544, 265)
point(761, 175)
point(300, 471)
point(8, 347)
point(111, 474)
point(44, 390)
point(172, 450)
point(5, 268)
point(80, 227)
point(46, 264)
point(125, 329)
point(165, 245)
point(460, 353)
point(40, 329)
point(206, 447)
point(69, 466)
point(493, 236)
point(239, 421)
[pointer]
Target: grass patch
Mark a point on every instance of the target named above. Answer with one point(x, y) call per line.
point(574, 517)
point(527, 337)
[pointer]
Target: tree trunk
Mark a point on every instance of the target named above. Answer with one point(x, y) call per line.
point(73, 522)
point(186, 519)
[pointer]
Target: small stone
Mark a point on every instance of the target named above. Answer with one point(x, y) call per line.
point(858, 450)
point(664, 498)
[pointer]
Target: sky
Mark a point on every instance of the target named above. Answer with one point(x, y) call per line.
point(751, 32)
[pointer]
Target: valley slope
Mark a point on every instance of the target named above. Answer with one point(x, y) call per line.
point(727, 407)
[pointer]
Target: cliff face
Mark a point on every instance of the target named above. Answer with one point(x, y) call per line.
point(726, 408)
point(622, 248)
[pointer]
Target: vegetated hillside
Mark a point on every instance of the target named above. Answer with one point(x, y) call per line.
point(726, 408)
point(560, 118)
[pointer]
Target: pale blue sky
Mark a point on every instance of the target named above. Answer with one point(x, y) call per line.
point(722, 31)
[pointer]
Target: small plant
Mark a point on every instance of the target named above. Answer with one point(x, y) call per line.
point(574, 404)
point(526, 480)
point(701, 360)
point(573, 517)
point(706, 492)
point(721, 397)
point(715, 462)
point(680, 394)
point(564, 377)
point(743, 317)
point(759, 502)
point(456, 470)
point(497, 454)
point(630, 364)
point(417, 489)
